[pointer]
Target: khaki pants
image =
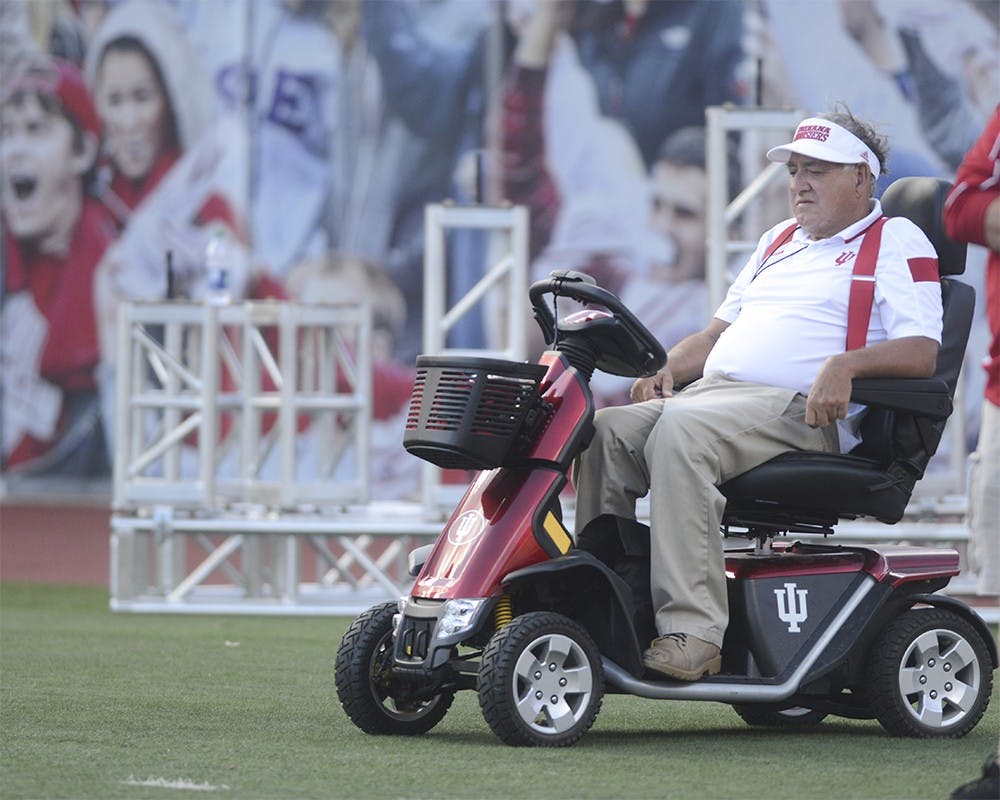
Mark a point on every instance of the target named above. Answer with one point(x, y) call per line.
point(679, 450)
point(984, 503)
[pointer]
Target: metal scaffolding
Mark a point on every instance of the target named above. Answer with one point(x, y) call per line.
point(503, 286)
point(241, 474)
point(235, 426)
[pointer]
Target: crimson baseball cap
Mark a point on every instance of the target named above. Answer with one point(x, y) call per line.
point(62, 81)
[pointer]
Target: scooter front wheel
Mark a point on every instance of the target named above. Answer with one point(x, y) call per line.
point(541, 682)
point(363, 675)
point(929, 675)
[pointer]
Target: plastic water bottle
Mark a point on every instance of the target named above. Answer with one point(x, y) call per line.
point(218, 268)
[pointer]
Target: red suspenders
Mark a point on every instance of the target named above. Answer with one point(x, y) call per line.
point(862, 296)
point(779, 240)
point(859, 302)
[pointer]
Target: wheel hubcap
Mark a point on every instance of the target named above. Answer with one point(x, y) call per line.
point(552, 684)
point(939, 678)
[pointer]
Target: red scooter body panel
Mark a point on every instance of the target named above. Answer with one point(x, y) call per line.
point(485, 537)
point(892, 563)
point(794, 560)
point(490, 532)
point(564, 389)
point(902, 563)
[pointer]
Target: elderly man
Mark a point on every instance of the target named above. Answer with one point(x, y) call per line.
point(771, 373)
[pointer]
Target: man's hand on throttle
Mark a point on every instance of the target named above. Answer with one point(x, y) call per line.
point(654, 387)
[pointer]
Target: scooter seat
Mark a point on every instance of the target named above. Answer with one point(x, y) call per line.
point(808, 484)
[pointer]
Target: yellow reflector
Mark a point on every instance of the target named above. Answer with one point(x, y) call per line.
point(557, 533)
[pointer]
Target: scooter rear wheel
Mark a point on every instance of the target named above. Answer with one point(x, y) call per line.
point(771, 717)
point(363, 676)
point(541, 681)
point(929, 675)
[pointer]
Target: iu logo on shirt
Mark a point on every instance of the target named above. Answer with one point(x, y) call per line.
point(789, 610)
point(844, 257)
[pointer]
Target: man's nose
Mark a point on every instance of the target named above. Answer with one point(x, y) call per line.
point(799, 181)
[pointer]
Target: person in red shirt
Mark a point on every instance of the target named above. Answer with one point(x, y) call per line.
point(55, 234)
point(972, 214)
point(153, 100)
point(156, 108)
point(169, 173)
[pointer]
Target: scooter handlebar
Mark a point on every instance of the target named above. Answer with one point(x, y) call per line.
point(582, 288)
point(561, 283)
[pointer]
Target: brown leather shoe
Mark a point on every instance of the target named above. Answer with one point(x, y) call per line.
point(682, 656)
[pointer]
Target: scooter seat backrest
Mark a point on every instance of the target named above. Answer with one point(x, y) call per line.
point(921, 200)
point(882, 428)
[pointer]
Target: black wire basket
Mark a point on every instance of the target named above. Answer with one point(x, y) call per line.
point(467, 412)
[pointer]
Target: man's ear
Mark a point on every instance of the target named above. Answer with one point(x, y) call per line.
point(867, 176)
point(85, 153)
point(863, 179)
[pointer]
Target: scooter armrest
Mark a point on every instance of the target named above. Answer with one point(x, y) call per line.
point(926, 397)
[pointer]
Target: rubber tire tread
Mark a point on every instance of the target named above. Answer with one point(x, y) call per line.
point(352, 676)
point(884, 662)
point(496, 700)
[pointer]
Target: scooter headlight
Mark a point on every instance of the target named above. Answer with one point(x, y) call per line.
point(398, 616)
point(458, 616)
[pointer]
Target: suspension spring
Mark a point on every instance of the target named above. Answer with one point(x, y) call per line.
point(504, 612)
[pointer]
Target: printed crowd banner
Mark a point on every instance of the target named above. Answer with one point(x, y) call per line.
point(314, 132)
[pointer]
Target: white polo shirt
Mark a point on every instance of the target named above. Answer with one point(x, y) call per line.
point(788, 313)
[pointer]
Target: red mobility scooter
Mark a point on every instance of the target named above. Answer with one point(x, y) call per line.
point(505, 603)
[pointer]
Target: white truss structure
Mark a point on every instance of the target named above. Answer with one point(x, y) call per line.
point(504, 284)
point(253, 561)
point(241, 458)
point(235, 425)
point(503, 288)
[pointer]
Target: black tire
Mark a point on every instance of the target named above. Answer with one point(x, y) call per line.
point(541, 681)
point(362, 675)
point(929, 675)
point(766, 716)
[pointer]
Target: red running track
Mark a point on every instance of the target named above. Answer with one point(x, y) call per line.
point(54, 543)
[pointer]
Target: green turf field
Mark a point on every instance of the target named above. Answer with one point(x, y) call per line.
point(102, 705)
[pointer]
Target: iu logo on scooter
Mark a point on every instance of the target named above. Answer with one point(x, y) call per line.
point(467, 527)
point(789, 610)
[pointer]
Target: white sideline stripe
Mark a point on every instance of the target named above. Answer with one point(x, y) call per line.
point(180, 783)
